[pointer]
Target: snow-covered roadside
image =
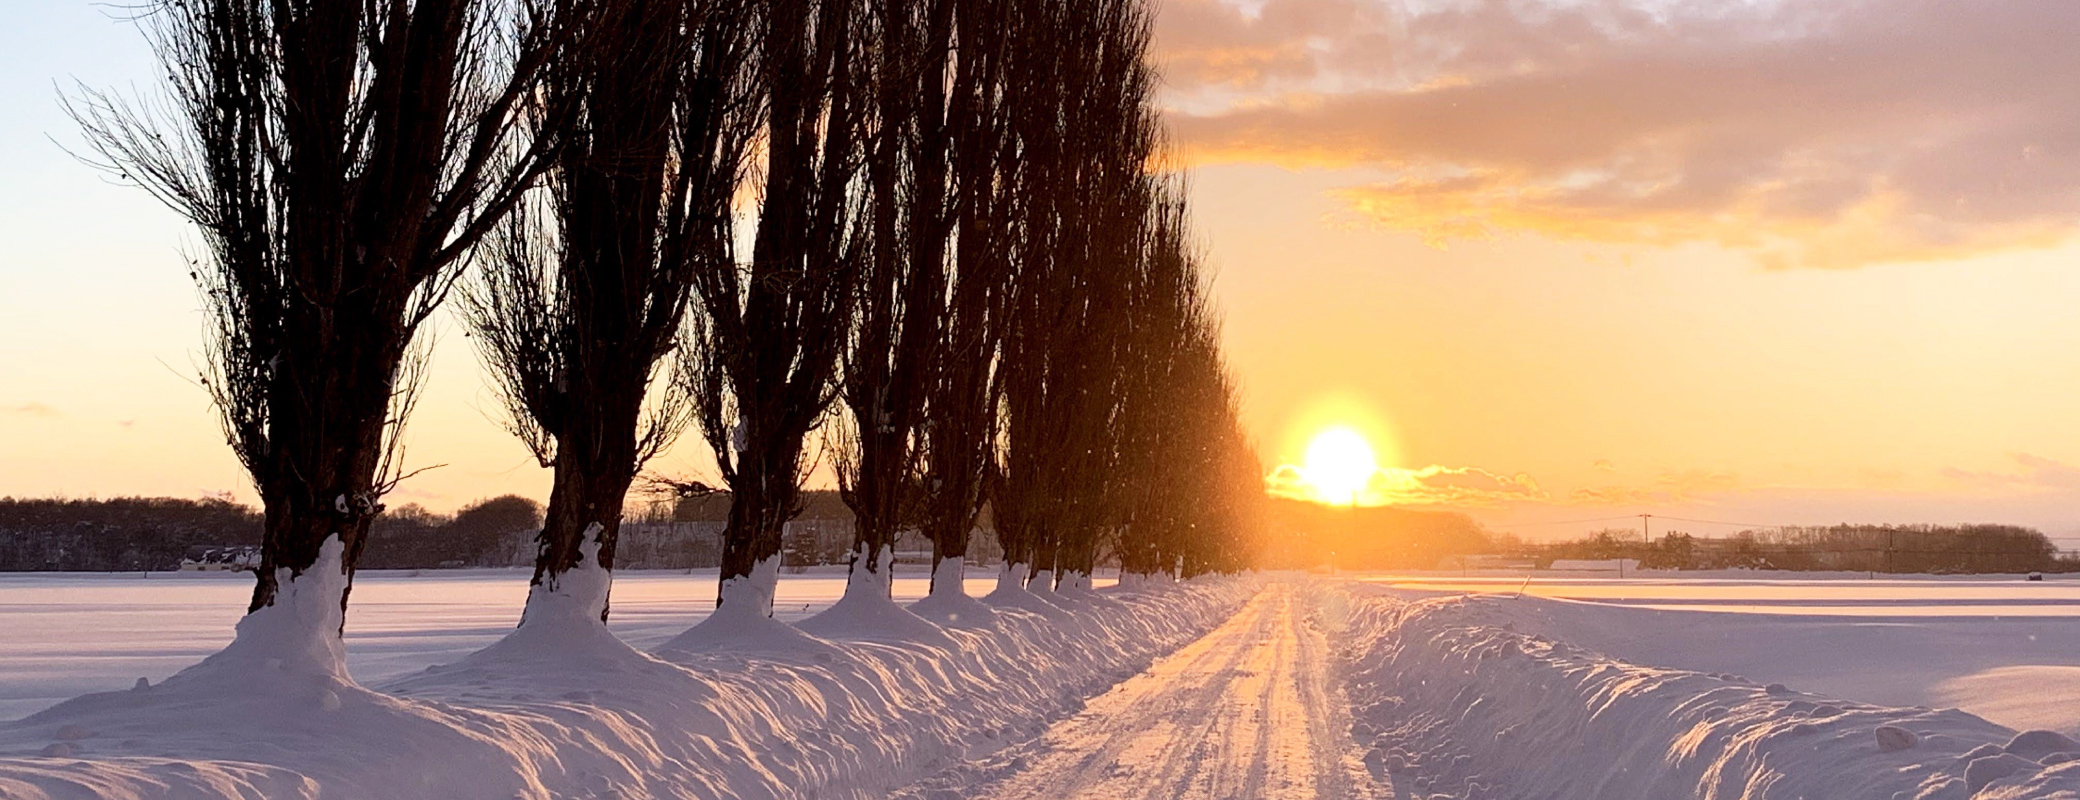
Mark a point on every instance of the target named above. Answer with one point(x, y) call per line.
point(772, 718)
point(1453, 701)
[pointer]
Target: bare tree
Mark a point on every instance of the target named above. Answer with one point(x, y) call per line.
point(883, 374)
point(1162, 399)
point(920, 351)
point(960, 421)
point(338, 159)
point(584, 289)
point(1081, 112)
point(760, 359)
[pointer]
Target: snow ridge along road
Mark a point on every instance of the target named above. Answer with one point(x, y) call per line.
point(584, 715)
point(1250, 710)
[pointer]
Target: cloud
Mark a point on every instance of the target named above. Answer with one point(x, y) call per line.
point(1432, 485)
point(2037, 472)
point(1808, 132)
point(1475, 487)
point(1669, 488)
point(34, 409)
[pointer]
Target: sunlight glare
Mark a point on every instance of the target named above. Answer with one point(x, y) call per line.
point(1338, 465)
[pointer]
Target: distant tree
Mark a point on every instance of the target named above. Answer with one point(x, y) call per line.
point(1372, 537)
point(1674, 551)
point(339, 159)
point(405, 537)
point(1858, 548)
point(482, 532)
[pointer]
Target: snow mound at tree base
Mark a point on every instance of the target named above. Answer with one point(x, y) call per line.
point(525, 719)
point(954, 610)
point(1451, 702)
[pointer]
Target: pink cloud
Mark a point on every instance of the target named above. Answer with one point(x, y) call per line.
point(1811, 132)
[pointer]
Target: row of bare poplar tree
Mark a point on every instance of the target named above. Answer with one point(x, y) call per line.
point(968, 277)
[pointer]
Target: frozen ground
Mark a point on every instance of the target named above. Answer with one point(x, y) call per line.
point(66, 634)
point(568, 711)
point(1394, 686)
point(2002, 648)
point(1251, 710)
point(1473, 697)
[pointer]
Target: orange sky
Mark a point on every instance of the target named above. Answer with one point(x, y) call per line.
point(1769, 261)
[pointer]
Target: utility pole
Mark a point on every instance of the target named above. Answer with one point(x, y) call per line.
point(1646, 540)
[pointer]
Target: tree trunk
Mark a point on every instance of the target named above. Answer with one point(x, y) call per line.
point(580, 528)
point(760, 506)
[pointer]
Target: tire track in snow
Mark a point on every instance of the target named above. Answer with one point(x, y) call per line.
point(1249, 710)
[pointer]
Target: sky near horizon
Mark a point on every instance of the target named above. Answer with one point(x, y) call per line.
point(1765, 261)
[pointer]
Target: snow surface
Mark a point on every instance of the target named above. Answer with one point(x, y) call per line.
point(1950, 641)
point(578, 593)
point(1250, 711)
point(947, 604)
point(1429, 695)
point(67, 634)
point(1425, 687)
point(868, 612)
point(561, 708)
point(1459, 696)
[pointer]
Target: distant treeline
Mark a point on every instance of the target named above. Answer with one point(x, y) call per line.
point(1369, 537)
point(121, 534)
point(498, 532)
point(134, 534)
point(1851, 548)
point(1385, 537)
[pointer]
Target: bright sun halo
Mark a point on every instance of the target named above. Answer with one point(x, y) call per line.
point(1339, 463)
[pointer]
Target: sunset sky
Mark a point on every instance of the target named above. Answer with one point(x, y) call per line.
point(1762, 262)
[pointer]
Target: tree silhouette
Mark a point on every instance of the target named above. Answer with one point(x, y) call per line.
point(339, 159)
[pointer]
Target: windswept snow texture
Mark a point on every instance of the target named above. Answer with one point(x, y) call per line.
point(1250, 711)
point(2001, 648)
point(1456, 698)
point(584, 715)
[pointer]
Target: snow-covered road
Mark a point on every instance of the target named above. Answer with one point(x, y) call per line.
point(1250, 710)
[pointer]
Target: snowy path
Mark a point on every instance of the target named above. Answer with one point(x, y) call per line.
point(1248, 711)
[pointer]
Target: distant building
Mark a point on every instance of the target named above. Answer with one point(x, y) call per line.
point(206, 558)
point(1617, 565)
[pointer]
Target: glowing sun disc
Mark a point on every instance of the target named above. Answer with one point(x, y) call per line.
point(1338, 465)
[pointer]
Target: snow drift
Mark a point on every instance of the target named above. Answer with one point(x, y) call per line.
point(1451, 701)
point(561, 708)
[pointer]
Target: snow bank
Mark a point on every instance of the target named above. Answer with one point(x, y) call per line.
point(1451, 701)
point(563, 709)
point(949, 604)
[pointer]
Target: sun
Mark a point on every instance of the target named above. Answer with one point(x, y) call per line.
point(1338, 465)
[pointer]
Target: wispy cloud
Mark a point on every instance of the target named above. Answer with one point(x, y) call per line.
point(34, 409)
point(1669, 488)
point(1463, 487)
point(2036, 472)
point(1809, 132)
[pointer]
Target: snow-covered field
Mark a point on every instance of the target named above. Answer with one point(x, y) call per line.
point(1999, 647)
point(1502, 695)
point(65, 634)
point(572, 712)
point(1750, 686)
